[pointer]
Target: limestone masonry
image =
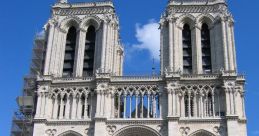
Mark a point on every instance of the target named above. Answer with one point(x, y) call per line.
point(76, 86)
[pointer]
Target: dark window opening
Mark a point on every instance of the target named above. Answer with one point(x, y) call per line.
point(68, 67)
point(206, 49)
point(187, 49)
point(89, 52)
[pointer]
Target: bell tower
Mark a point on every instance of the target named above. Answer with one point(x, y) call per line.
point(81, 42)
point(197, 41)
point(198, 61)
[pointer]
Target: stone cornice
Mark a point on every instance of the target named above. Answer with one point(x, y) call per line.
point(196, 8)
point(62, 122)
point(134, 121)
point(82, 11)
point(203, 120)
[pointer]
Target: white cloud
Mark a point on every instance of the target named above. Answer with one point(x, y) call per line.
point(148, 36)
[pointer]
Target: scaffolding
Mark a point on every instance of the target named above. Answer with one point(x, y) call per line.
point(22, 124)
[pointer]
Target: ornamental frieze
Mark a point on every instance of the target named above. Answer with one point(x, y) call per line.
point(83, 11)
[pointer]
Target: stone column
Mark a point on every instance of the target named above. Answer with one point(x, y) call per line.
point(60, 54)
point(243, 104)
point(189, 104)
point(173, 103)
point(231, 25)
point(169, 92)
point(130, 105)
point(224, 44)
point(182, 106)
point(43, 105)
point(171, 43)
point(50, 38)
point(112, 106)
point(136, 106)
point(154, 107)
point(104, 38)
point(202, 106)
point(195, 105)
point(68, 106)
point(55, 108)
point(61, 111)
point(213, 104)
point(49, 107)
point(148, 104)
point(196, 50)
point(79, 54)
point(98, 103)
point(160, 105)
point(38, 108)
point(228, 112)
point(142, 105)
point(74, 107)
point(124, 105)
point(230, 46)
point(86, 107)
point(79, 108)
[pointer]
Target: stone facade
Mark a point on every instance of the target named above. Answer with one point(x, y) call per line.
point(198, 92)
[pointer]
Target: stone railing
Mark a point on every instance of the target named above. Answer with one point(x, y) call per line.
point(85, 4)
point(200, 76)
point(74, 79)
point(136, 78)
point(195, 2)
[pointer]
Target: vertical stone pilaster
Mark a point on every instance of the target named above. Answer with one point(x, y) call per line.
point(196, 50)
point(224, 44)
point(80, 51)
point(230, 46)
point(50, 45)
point(38, 109)
point(49, 106)
point(74, 107)
point(61, 47)
point(104, 38)
point(43, 105)
point(169, 92)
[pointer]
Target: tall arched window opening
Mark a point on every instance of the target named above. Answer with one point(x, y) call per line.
point(206, 49)
point(187, 49)
point(68, 67)
point(89, 51)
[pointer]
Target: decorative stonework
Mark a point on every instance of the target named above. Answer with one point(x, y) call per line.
point(184, 131)
point(104, 102)
point(51, 132)
point(111, 129)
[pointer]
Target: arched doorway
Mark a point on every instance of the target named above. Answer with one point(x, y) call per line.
point(202, 133)
point(70, 133)
point(137, 131)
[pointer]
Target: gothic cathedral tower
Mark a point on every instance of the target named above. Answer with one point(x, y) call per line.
point(76, 86)
point(197, 41)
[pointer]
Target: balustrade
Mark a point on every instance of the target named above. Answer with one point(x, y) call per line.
point(136, 104)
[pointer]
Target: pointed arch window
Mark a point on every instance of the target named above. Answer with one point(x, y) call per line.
point(68, 67)
point(187, 49)
point(89, 51)
point(206, 49)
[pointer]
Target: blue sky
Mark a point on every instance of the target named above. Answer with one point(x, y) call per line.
point(20, 20)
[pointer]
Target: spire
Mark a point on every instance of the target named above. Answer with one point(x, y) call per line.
point(62, 1)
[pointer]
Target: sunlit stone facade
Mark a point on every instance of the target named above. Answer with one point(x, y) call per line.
point(81, 90)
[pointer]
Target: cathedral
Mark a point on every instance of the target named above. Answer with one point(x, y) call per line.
point(76, 85)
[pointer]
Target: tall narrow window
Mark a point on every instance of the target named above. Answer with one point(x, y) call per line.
point(69, 52)
point(89, 51)
point(187, 49)
point(206, 51)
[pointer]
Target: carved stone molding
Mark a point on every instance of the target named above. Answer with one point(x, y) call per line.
point(51, 132)
point(111, 129)
point(184, 131)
